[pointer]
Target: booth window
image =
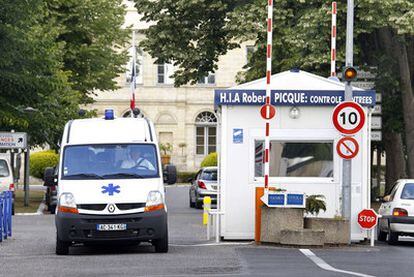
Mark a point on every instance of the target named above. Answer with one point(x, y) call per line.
point(206, 131)
point(295, 159)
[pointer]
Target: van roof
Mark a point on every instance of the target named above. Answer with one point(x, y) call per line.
point(100, 130)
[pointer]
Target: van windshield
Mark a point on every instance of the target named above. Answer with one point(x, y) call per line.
point(4, 169)
point(120, 161)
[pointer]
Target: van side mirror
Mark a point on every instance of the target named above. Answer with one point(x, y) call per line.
point(170, 174)
point(49, 177)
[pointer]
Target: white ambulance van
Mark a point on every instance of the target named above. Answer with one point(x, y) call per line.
point(110, 183)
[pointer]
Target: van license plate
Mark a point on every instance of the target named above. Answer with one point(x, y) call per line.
point(111, 227)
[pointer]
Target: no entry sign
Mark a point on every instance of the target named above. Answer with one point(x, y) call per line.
point(347, 148)
point(348, 117)
point(367, 218)
point(267, 111)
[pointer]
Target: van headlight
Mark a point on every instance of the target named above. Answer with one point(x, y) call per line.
point(67, 203)
point(155, 201)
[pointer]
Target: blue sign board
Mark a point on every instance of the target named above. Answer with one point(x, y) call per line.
point(276, 199)
point(291, 97)
point(294, 199)
point(237, 135)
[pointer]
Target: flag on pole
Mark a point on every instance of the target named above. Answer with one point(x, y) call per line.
point(133, 74)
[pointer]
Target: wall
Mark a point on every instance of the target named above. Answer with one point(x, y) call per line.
point(238, 181)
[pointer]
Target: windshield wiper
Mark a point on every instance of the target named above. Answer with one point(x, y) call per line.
point(84, 175)
point(120, 175)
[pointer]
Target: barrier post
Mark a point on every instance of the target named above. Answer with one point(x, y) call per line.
point(207, 207)
point(1, 217)
point(5, 214)
point(9, 213)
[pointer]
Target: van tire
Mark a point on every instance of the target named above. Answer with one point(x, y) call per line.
point(161, 245)
point(62, 247)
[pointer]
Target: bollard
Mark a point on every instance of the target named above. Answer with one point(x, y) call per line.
point(6, 199)
point(9, 213)
point(207, 207)
point(1, 217)
point(5, 214)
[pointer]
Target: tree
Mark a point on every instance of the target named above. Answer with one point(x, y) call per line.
point(31, 71)
point(94, 40)
point(53, 55)
point(301, 38)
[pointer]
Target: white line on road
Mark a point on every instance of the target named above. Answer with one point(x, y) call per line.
point(322, 264)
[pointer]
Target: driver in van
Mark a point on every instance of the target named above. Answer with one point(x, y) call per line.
point(137, 159)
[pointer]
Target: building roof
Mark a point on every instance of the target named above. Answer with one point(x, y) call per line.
point(295, 80)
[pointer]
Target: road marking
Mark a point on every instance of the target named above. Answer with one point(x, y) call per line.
point(322, 264)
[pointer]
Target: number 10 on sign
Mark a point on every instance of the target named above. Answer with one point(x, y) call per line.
point(348, 117)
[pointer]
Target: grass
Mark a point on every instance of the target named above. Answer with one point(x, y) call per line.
point(35, 198)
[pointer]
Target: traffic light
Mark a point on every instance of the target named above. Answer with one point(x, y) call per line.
point(350, 73)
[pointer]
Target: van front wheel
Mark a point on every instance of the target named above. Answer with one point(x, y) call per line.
point(62, 247)
point(161, 245)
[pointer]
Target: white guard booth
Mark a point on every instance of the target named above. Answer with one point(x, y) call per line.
point(303, 154)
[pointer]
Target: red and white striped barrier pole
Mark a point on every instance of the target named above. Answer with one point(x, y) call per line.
point(333, 41)
point(268, 92)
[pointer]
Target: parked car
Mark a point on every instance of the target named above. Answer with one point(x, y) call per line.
point(51, 193)
point(397, 211)
point(204, 184)
point(6, 178)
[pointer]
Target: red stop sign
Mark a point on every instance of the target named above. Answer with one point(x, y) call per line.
point(367, 218)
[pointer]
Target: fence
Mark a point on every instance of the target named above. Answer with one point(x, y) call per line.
point(5, 214)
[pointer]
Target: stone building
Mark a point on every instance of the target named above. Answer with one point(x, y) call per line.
point(183, 116)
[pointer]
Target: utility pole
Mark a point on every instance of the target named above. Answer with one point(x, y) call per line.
point(347, 164)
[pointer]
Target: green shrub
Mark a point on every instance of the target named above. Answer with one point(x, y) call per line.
point(210, 160)
point(315, 203)
point(40, 160)
point(182, 177)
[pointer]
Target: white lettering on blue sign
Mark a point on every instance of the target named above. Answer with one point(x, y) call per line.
point(291, 98)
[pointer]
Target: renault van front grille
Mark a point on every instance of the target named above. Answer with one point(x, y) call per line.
point(92, 207)
point(129, 206)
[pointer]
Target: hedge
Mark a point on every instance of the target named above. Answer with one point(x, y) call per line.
point(210, 160)
point(182, 177)
point(40, 160)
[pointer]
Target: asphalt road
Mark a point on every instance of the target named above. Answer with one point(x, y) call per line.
point(30, 252)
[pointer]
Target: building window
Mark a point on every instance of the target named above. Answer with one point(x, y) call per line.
point(206, 133)
point(139, 57)
point(295, 159)
point(210, 79)
point(250, 49)
point(164, 74)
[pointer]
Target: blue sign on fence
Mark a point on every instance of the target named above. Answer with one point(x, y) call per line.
point(292, 97)
point(295, 199)
point(276, 199)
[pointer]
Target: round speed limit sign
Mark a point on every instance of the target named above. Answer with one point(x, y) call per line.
point(348, 117)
